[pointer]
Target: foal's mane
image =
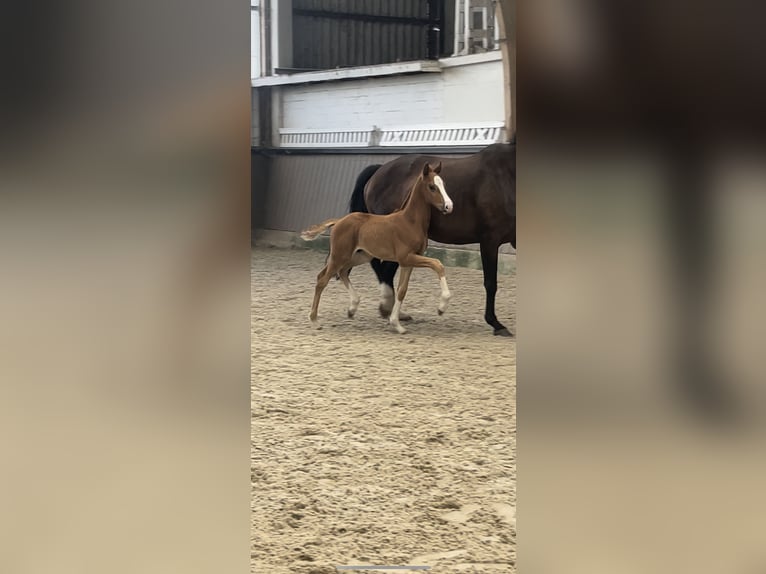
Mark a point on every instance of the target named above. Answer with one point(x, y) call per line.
point(409, 195)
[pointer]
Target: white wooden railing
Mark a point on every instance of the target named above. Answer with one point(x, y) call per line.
point(473, 134)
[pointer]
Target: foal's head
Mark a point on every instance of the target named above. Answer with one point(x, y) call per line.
point(434, 188)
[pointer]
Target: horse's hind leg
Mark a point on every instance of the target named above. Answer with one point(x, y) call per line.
point(489, 267)
point(404, 281)
point(353, 295)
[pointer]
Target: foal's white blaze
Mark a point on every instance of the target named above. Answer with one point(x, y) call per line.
point(447, 201)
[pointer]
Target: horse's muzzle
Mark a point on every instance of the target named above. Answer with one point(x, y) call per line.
point(446, 210)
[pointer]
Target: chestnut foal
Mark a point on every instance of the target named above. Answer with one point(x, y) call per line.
point(401, 236)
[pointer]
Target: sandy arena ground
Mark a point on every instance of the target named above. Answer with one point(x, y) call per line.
point(370, 447)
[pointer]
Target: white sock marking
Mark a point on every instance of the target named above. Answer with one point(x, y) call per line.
point(354, 299)
point(445, 296)
point(386, 295)
point(445, 289)
point(394, 318)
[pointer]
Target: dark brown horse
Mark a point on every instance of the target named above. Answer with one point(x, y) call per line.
point(483, 189)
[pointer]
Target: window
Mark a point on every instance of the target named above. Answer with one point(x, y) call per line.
point(475, 29)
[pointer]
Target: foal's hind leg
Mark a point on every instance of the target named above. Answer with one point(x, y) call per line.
point(404, 281)
point(353, 295)
point(322, 280)
point(385, 271)
point(337, 261)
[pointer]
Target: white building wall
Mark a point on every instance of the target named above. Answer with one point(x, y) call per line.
point(474, 93)
point(457, 95)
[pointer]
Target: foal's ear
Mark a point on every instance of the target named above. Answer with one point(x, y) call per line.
point(438, 167)
point(426, 169)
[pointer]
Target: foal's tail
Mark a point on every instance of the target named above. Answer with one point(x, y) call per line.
point(313, 232)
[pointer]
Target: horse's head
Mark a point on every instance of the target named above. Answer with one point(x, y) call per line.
point(434, 188)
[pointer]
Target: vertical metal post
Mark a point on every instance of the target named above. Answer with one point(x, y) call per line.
point(456, 51)
point(467, 28)
point(267, 69)
point(506, 23)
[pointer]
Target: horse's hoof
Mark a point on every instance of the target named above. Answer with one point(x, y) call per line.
point(503, 332)
point(401, 330)
point(441, 311)
point(350, 313)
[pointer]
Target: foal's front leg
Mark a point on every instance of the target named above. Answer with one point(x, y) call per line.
point(404, 280)
point(414, 260)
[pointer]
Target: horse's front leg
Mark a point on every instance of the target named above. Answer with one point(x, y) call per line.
point(489, 267)
point(404, 281)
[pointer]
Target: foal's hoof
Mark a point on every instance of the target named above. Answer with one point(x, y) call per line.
point(443, 303)
point(386, 313)
point(502, 332)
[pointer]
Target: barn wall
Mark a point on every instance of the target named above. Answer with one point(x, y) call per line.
point(259, 190)
point(307, 189)
point(292, 192)
point(460, 94)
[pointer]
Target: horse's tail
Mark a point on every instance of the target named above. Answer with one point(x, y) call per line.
point(357, 197)
point(313, 232)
